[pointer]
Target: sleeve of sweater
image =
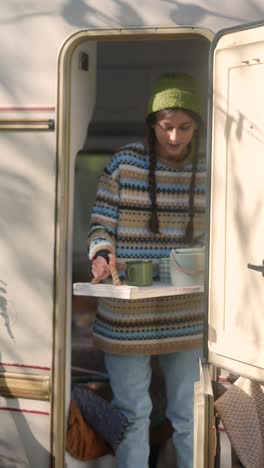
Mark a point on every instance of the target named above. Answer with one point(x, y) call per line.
point(105, 212)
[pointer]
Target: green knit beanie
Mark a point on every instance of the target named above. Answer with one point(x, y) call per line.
point(175, 90)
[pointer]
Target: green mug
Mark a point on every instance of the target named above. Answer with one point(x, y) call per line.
point(139, 272)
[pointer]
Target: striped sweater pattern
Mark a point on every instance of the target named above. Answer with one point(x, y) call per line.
point(119, 223)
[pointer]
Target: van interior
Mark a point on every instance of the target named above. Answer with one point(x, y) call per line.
point(121, 73)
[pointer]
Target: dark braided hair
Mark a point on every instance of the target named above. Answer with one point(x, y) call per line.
point(154, 220)
point(194, 145)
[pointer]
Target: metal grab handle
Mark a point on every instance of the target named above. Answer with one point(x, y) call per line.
point(259, 268)
point(27, 124)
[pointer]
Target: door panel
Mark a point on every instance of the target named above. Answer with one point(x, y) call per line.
point(25, 433)
point(27, 201)
point(236, 292)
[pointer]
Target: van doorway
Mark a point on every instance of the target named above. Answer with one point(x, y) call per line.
point(105, 81)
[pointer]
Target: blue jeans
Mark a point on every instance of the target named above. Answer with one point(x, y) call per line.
point(130, 380)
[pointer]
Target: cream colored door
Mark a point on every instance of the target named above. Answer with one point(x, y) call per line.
point(235, 290)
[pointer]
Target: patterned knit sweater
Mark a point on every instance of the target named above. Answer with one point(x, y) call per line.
point(119, 223)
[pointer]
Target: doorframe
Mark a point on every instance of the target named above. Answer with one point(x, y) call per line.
point(63, 221)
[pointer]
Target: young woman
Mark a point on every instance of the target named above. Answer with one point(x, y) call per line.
point(151, 199)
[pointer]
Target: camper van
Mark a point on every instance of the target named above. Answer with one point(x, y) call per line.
point(75, 76)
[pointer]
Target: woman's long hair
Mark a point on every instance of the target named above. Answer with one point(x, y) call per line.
point(193, 146)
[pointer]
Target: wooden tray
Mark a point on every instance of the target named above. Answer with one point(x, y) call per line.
point(132, 292)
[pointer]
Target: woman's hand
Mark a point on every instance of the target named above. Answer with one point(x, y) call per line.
point(100, 267)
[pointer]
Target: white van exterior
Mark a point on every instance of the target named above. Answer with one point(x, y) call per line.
point(53, 53)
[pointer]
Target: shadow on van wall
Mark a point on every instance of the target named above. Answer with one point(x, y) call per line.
point(4, 308)
point(191, 13)
point(75, 12)
point(79, 13)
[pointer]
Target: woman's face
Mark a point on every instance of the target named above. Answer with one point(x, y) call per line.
point(174, 132)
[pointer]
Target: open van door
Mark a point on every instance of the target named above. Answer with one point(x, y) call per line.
point(234, 335)
point(235, 297)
